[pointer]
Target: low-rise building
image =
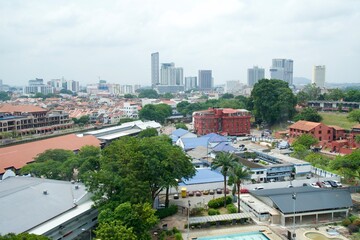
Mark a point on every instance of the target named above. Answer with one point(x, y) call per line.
point(225, 121)
point(318, 130)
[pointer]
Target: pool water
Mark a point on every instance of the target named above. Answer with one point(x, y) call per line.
point(240, 236)
point(319, 236)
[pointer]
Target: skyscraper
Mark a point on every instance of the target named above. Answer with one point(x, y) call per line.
point(255, 74)
point(167, 74)
point(190, 83)
point(319, 75)
point(205, 80)
point(154, 69)
point(282, 69)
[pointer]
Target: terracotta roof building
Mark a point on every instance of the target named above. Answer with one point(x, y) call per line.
point(319, 130)
point(17, 156)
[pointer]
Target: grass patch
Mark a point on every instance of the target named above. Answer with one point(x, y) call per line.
point(338, 119)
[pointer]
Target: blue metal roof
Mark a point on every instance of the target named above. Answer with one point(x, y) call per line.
point(191, 143)
point(204, 175)
point(213, 137)
point(179, 132)
point(224, 147)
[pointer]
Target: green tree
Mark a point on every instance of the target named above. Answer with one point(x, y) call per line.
point(4, 96)
point(227, 96)
point(352, 95)
point(306, 140)
point(88, 159)
point(23, 236)
point(129, 96)
point(273, 101)
point(149, 132)
point(181, 107)
point(136, 218)
point(354, 116)
point(348, 164)
point(114, 230)
point(148, 93)
point(308, 114)
point(357, 138)
point(238, 173)
point(225, 161)
point(158, 112)
point(181, 125)
point(125, 120)
point(312, 91)
point(168, 96)
point(65, 91)
point(335, 94)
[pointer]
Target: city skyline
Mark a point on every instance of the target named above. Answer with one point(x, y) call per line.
point(113, 39)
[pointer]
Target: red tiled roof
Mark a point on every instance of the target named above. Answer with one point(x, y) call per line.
point(20, 108)
point(18, 156)
point(304, 125)
point(336, 127)
point(356, 126)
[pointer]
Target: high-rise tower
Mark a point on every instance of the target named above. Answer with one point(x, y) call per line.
point(282, 69)
point(154, 69)
point(319, 75)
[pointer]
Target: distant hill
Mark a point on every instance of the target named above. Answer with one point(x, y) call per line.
point(301, 81)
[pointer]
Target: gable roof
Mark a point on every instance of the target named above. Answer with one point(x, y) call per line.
point(179, 132)
point(191, 143)
point(21, 108)
point(304, 125)
point(325, 198)
point(337, 128)
point(19, 155)
point(224, 147)
point(214, 138)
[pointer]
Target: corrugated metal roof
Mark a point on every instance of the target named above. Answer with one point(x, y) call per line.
point(222, 217)
point(307, 198)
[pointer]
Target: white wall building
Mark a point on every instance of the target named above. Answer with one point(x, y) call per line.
point(190, 83)
point(233, 86)
point(154, 69)
point(319, 75)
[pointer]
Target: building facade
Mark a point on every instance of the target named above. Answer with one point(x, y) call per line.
point(190, 83)
point(319, 131)
point(27, 119)
point(319, 75)
point(233, 86)
point(282, 69)
point(254, 75)
point(154, 69)
point(225, 121)
point(205, 80)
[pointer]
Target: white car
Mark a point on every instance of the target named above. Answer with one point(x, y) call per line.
point(338, 183)
point(259, 188)
point(326, 184)
point(314, 185)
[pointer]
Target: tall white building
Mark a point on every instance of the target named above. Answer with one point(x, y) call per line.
point(37, 86)
point(233, 86)
point(170, 75)
point(190, 83)
point(282, 69)
point(154, 69)
point(1, 85)
point(206, 81)
point(255, 74)
point(319, 75)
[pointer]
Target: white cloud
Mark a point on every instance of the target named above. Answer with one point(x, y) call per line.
point(84, 39)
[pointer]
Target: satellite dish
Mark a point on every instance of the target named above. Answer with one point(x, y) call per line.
point(8, 173)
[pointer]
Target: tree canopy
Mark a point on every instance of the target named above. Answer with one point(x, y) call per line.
point(23, 236)
point(273, 101)
point(137, 169)
point(181, 125)
point(149, 132)
point(354, 116)
point(82, 120)
point(4, 96)
point(308, 114)
point(305, 140)
point(148, 93)
point(158, 112)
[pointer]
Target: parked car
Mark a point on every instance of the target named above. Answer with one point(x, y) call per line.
point(290, 186)
point(191, 194)
point(259, 188)
point(338, 183)
point(320, 184)
point(314, 185)
point(206, 192)
point(198, 193)
point(326, 184)
point(332, 183)
point(212, 192)
point(219, 191)
point(244, 190)
point(176, 196)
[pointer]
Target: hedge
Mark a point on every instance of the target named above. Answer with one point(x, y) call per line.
point(165, 212)
point(231, 208)
point(219, 202)
point(212, 212)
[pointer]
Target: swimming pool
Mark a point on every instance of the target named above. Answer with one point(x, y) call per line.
point(239, 236)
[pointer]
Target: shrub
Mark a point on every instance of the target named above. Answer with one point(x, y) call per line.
point(162, 235)
point(165, 212)
point(352, 218)
point(175, 230)
point(178, 236)
point(231, 208)
point(196, 211)
point(346, 222)
point(212, 212)
point(356, 222)
point(219, 202)
point(353, 228)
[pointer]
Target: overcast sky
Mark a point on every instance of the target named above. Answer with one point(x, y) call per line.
point(113, 40)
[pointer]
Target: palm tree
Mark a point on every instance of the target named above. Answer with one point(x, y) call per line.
point(237, 174)
point(225, 161)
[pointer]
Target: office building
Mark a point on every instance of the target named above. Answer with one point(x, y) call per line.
point(225, 121)
point(190, 83)
point(37, 86)
point(171, 76)
point(319, 75)
point(205, 80)
point(282, 69)
point(233, 86)
point(254, 75)
point(154, 69)
point(1, 85)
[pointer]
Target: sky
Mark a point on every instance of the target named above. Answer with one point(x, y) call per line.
point(85, 40)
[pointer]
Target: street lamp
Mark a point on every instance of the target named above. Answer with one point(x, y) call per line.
point(188, 230)
point(294, 234)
